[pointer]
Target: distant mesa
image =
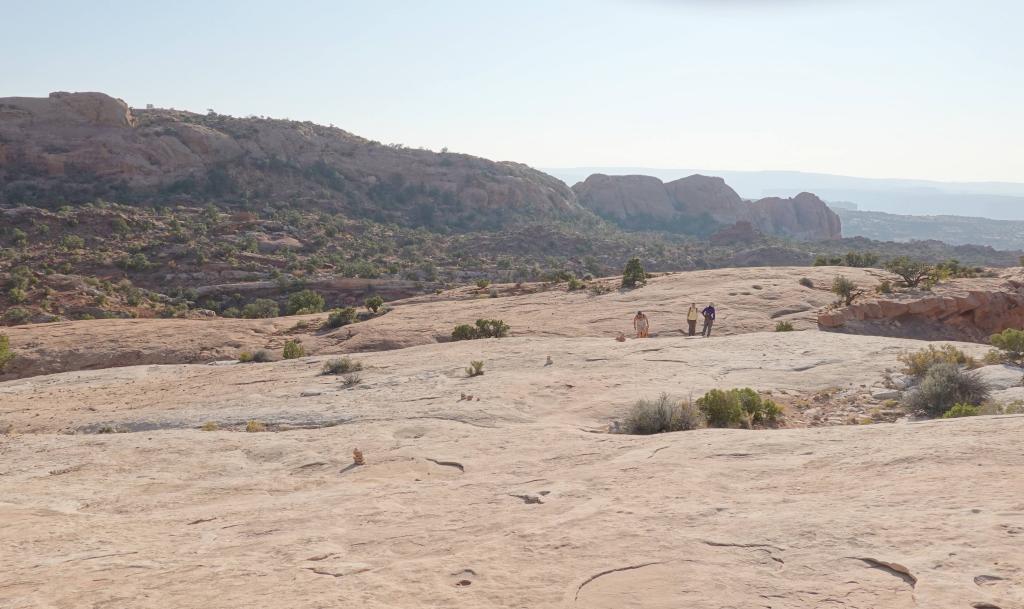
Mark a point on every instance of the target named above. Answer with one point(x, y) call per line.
point(704, 205)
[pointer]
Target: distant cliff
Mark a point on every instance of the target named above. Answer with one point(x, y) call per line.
point(71, 148)
point(700, 204)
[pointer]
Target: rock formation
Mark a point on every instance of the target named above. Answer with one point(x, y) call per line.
point(77, 147)
point(969, 310)
point(702, 204)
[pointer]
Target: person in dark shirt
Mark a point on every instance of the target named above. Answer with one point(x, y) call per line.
point(709, 320)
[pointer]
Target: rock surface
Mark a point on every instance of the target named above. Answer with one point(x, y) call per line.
point(631, 199)
point(505, 498)
point(964, 309)
point(77, 345)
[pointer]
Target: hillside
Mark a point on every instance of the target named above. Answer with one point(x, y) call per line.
point(79, 147)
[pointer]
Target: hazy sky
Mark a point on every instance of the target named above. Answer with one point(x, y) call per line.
point(897, 88)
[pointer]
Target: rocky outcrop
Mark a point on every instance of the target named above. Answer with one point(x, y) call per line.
point(804, 217)
point(969, 309)
point(77, 147)
point(703, 205)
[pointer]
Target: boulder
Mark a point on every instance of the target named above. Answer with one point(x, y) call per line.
point(1002, 376)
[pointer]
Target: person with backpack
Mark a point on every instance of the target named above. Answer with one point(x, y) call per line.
point(691, 319)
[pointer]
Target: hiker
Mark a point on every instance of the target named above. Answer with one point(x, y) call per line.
point(691, 318)
point(709, 320)
point(641, 324)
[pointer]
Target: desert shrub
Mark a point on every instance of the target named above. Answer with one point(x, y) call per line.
point(885, 287)
point(484, 328)
point(351, 379)
point(254, 426)
point(135, 262)
point(210, 426)
point(633, 275)
point(737, 407)
point(860, 259)
point(784, 326)
point(1010, 342)
point(994, 357)
point(806, 282)
point(661, 415)
point(305, 301)
point(17, 315)
point(374, 303)
point(341, 317)
point(822, 260)
point(482, 283)
point(912, 272)
point(293, 349)
point(943, 386)
point(6, 355)
point(245, 357)
point(341, 366)
point(464, 332)
point(845, 289)
point(261, 308)
point(72, 242)
point(961, 410)
point(575, 284)
point(476, 368)
point(721, 408)
point(491, 328)
point(17, 295)
point(261, 356)
point(917, 363)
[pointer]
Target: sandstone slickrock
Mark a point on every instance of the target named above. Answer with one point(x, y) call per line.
point(964, 309)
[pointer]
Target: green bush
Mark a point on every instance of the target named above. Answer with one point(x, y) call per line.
point(845, 289)
point(341, 366)
point(476, 368)
point(293, 349)
point(806, 282)
point(737, 407)
point(661, 415)
point(374, 303)
point(575, 284)
point(491, 328)
point(482, 283)
point(917, 363)
point(245, 357)
point(17, 295)
point(341, 317)
point(943, 386)
point(464, 332)
point(485, 328)
point(961, 410)
point(784, 326)
point(6, 355)
point(721, 408)
point(305, 301)
point(1011, 342)
point(261, 308)
point(885, 287)
point(634, 274)
point(912, 272)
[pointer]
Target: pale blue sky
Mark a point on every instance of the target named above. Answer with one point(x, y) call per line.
point(899, 88)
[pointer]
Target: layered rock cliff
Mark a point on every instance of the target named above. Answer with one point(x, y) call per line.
point(700, 204)
point(77, 147)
